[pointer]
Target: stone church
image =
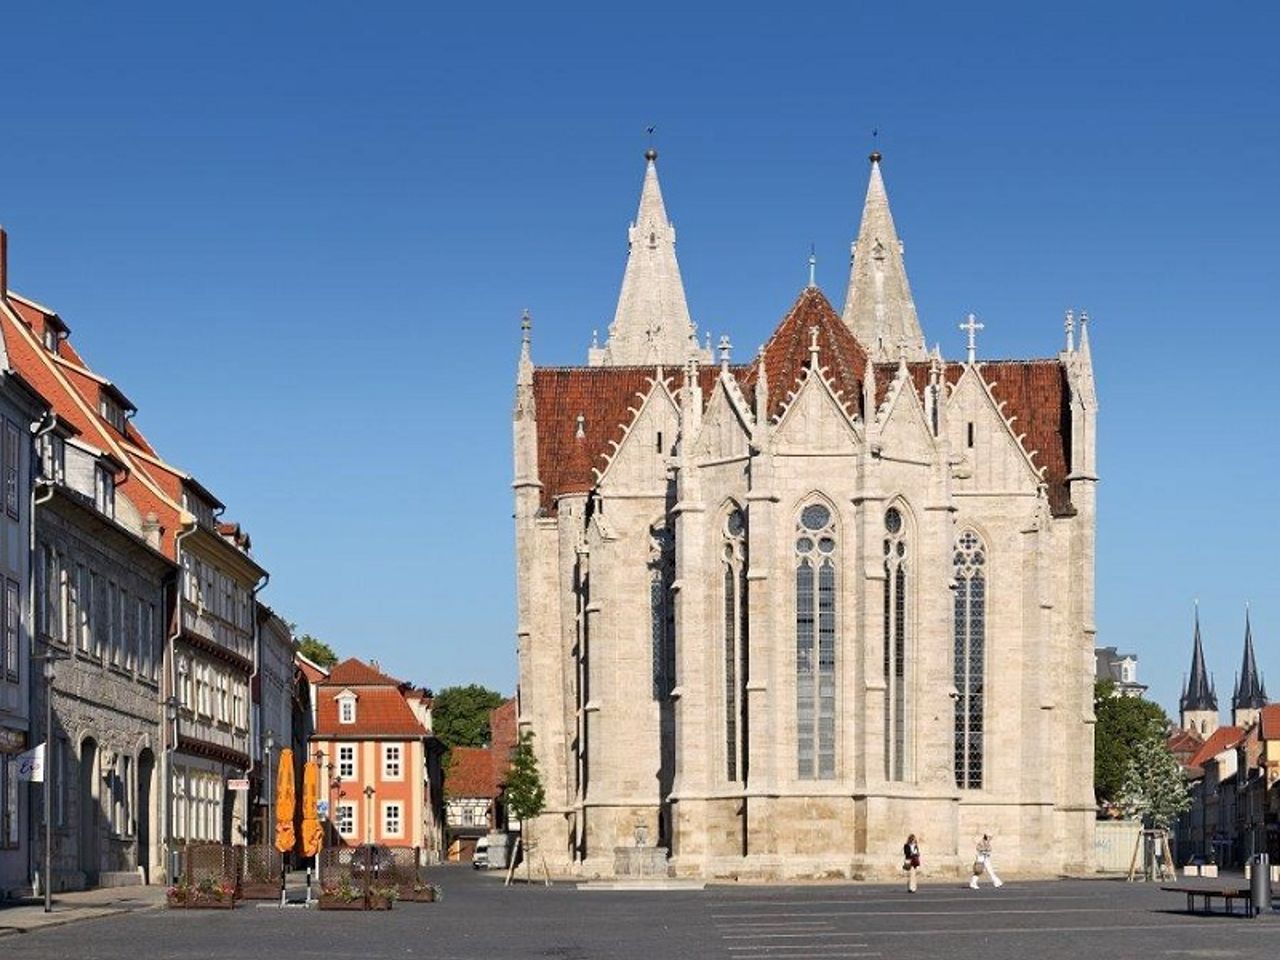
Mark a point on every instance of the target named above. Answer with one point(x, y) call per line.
point(774, 616)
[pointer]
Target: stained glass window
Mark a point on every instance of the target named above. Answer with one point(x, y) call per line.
point(895, 646)
point(816, 642)
point(734, 635)
point(969, 562)
point(662, 620)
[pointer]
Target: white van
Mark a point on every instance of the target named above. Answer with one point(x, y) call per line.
point(480, 858)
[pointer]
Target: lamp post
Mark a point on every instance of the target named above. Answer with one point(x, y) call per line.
point(48, 659)
point(368, 823)
point(170, 748)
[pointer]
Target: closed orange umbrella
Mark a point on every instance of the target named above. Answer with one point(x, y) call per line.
point(312, 832)
point(285, 803)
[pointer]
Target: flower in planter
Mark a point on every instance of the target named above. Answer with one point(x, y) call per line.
point(385, 893)
point(433, 890)
point(340, 890)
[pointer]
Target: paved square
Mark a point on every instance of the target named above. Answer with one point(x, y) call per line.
point(479, 920)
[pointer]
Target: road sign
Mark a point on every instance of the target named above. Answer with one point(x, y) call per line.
point(322, 809)
point(239, 785)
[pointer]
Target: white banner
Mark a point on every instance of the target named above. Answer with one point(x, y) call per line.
point(31, 764)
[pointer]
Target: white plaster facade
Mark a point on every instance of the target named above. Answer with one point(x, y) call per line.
point(670, 662)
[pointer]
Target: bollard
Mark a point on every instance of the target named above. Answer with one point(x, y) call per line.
point(1260, 884)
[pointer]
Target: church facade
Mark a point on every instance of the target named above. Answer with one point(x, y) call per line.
point(775, 616)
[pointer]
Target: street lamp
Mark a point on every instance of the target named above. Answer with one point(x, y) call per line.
point(267, 787)
point(368, 823)
point(48, 659)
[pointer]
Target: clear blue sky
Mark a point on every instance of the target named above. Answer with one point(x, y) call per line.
point(300, 237)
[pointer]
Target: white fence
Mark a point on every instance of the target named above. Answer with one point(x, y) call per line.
point(1113, 843)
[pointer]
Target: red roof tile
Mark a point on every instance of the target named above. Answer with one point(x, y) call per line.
point(1224, 738)
point(1269, 719)
point(472, 772)
point(502, 728)
point(355, 672)
point(380, 712)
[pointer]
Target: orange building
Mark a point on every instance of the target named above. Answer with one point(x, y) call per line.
point(381, 763)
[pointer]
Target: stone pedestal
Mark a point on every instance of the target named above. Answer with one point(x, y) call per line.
point(640, 862)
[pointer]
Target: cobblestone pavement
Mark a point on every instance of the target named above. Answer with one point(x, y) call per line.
point(480, 920)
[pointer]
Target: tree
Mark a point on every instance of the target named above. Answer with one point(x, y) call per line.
point(1123, 723)
point(317, 651)
point(460, 715)
point(525, 795)
point(1154, 789)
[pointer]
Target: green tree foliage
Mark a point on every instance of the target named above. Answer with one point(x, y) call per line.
point(317, 651)
point(525, 795)
point(460, 715)
point(1123, 724)
point(1154, 789)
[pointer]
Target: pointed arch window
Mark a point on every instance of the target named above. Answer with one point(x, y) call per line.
point(735, 650)
point(816, 549)
point(896, 586)
point(662, 618)
point(970, 561)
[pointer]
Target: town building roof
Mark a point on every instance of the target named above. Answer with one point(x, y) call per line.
point(382, 704)
point(1224, 738)
point(472, 774)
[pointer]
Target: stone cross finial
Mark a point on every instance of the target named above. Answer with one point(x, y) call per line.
point(813, 348)
point(595, 339)
point(1069, 324)
point(813, 267)
point(972, 326)
point(526, 325)
point(725, 349)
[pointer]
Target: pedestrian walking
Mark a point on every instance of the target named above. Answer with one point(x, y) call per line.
point(982, 862)
point(911, 861)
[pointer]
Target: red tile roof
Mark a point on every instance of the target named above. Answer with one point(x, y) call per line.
point(1269, 719)
point(353, 672)
point(472, 773)
point(1034, 393)
point(1224, 738)
point(502, 728)
point(382, 704)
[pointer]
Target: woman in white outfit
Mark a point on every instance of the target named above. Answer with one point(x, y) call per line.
point(982, 861)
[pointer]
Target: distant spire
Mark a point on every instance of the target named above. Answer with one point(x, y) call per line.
point(813, 267)
point(524, 370)
point(878, 307)
point(1069, 324)
point(1199, 693)
point(1250, 693)
point(652, 322)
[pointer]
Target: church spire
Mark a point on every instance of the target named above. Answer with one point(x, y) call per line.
point(878, 307)
point(652, 323)
point(1250, 694)
point(1199, 694)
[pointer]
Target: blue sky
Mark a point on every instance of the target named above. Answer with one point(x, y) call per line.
point(300, 237)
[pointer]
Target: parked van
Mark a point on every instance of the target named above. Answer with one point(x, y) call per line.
point(480, 858)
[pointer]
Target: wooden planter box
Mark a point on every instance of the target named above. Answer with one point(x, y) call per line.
point(260, 891)
point(337, 903)
point(380, 903)
point(202, 904)
point(420, 896)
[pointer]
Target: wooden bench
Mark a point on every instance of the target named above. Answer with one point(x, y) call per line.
point(1228, 895)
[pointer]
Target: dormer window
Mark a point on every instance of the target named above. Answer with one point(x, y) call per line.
point(347, 707)
point(51, 339)
point(112, 412)
point(53, 457)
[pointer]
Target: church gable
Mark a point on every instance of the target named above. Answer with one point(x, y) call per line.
point(637, 463)
point(815, 421)
point(992, 456)
point(726, 427)
point(904, 427)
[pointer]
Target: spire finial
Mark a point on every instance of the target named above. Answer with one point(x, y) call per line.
point(972, 326)
point(875, 145)
point(1069, 324)
point(726, 349)
point(813, 348)
point(651, 154)
point(526, 325)
point(595, 339)
point(813, 265)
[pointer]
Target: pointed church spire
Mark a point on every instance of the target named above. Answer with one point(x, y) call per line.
point(1199, 693)
point(1250, 694)
point(878, 307)
point(652, 323)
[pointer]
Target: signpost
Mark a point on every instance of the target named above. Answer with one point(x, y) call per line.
point(240, 785)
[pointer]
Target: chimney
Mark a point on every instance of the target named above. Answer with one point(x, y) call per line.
point(4, 262)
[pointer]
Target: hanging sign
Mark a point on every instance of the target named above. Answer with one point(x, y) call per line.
point(31, 765)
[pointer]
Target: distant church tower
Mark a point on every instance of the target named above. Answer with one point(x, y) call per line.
point(1198, 708)
point(1250, 694)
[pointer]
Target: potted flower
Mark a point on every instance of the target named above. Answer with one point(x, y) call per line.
point(178, 895)
point(341, 894)
point(423, 892)
point(381, 897)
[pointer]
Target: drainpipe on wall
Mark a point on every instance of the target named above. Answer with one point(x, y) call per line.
point(188, 526)
point(48, 420)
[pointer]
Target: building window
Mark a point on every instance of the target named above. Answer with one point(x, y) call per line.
point(53, 458)
point(970, 640)
point(84, 605)
point(59, 772)
point(816, 550)
point(347, 762)
point(50, 338)
point(391, 824)
point(347, 709)
point(12, 617)
point(113, 623)
point(346, 819)
point(896, 558)
point(104, 490)
point(112, 412)
point(662, 616)
point(391, 761)
point(8, 803)
point(734, 637)
point(12, 468)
